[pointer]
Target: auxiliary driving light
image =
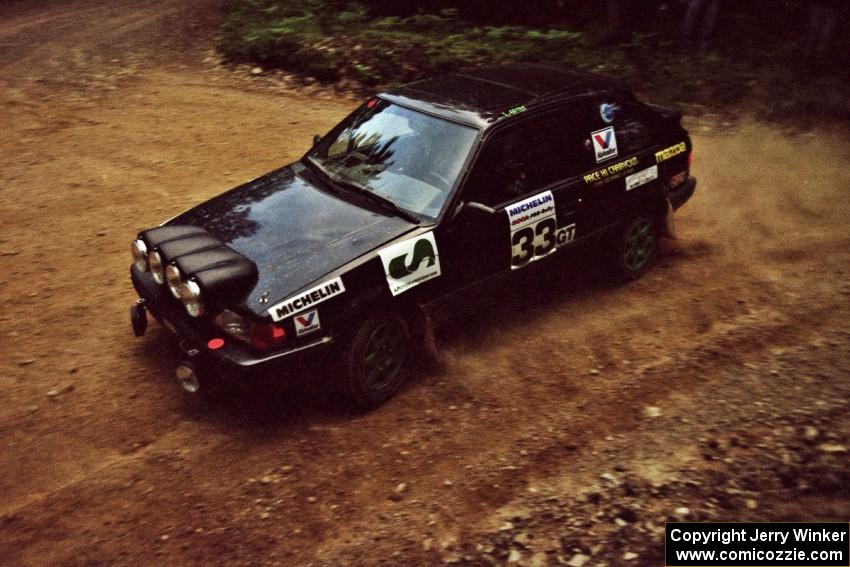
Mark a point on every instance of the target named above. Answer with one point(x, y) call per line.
point(140, 254)
point(190, 295)
point(173, 279)
point(155, 266)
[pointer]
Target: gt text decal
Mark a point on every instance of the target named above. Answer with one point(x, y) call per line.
point(565, 235)
point(604, 143)
point(641, 177)
point(611, 172)
point(302, 301)
point(307, 323)
point(410, 263)
point(667, 153)
point(533, 226)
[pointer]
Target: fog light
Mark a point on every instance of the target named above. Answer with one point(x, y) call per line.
point(235, 325)
point(187, 377)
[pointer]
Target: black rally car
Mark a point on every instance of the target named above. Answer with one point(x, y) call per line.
point(421, 192)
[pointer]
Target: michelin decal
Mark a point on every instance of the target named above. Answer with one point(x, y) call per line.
point(531, 210)
point(533, 228)
point(411, 262)
point(306, 299)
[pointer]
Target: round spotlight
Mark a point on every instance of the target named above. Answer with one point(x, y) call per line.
point(173, 279)
point(188, 378)
point(155, 266)
point(190, 295)
point(140, 254)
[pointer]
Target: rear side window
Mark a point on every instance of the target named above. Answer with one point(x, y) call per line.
point(528, 156)
point(632, 124)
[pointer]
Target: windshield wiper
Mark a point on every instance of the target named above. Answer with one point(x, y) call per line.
point(366, 192)
point(376, 198)
point(323, 170)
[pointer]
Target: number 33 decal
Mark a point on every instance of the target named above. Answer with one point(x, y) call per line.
point(533, 241)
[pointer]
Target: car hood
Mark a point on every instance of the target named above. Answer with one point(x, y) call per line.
point(295, 232)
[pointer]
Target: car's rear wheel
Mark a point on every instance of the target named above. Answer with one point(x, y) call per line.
point(376, 361)
point(636, 247)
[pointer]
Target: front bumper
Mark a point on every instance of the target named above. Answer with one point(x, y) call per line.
point(194, 335)
point(680, 195)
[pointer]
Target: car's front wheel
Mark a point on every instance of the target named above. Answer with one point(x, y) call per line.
point(636, 247)
point(376, 361)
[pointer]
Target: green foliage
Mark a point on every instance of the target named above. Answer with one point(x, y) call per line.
point(337, 39)
point(334, 40)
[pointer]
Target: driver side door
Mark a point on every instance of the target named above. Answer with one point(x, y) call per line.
point(527, 175)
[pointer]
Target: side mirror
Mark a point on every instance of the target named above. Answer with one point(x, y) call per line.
point(458, 209)
point(481, 207)
point(472, 206)
point(316, 139)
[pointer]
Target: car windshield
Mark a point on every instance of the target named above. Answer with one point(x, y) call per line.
point(403, 156)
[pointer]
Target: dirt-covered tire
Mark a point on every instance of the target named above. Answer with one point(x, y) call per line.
point(635, 247)
point(376, 361)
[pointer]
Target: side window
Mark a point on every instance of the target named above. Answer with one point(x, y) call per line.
point(632, 125)
point(526, 157)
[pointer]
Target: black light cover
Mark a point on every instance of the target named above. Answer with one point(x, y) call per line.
point(223, 274)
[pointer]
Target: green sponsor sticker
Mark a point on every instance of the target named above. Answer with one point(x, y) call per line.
point(514, 111)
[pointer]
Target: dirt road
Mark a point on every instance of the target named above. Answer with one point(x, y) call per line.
point(730, 357)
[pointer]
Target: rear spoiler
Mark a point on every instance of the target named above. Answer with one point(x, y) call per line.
point(672, 114)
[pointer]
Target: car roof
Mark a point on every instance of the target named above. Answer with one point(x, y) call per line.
point(483, 96)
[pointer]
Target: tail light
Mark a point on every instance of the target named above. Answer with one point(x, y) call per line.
point(267, 336)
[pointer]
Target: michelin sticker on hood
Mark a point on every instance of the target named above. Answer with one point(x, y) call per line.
point(307, 299)
point(411, 262)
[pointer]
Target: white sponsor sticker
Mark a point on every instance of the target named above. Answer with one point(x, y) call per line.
point(641, 177)
point(307, 322)
point(530, 210)
point(533, 225)
point(307, 299)
point(411, 262)
point(604, 143)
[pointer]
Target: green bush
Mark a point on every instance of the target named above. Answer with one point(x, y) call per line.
point(313, 38)
point(338, 39)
